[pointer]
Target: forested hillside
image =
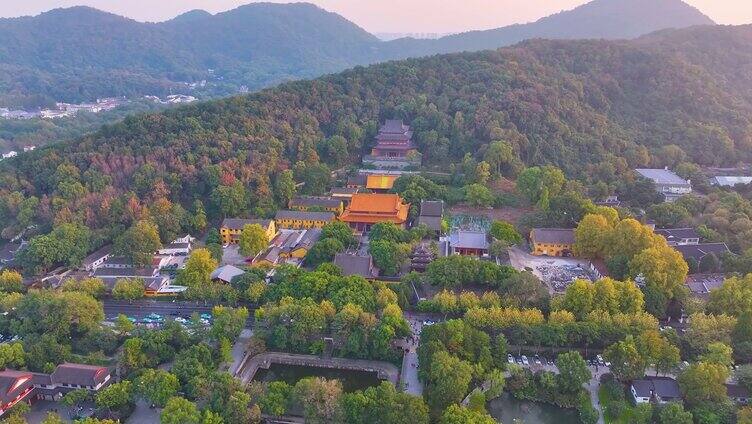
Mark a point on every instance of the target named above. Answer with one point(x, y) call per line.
point(593, 108)
point(79, 54)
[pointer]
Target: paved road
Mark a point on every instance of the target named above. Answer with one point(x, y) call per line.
point(141, 308)
point(238, 350)
point(410, 360)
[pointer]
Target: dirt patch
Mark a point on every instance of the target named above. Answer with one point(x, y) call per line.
point(510, 214)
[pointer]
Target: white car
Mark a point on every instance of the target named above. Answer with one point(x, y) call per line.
point(525, 361)
point(510, 358)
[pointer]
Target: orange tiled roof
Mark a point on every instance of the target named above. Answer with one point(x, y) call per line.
point(380, 182)
point(367, 207)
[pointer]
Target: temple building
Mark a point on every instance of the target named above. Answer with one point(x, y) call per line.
point(367, 209)
point(394, 146)
point(394, 140)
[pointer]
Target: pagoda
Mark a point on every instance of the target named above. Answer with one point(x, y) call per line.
point(394, 140)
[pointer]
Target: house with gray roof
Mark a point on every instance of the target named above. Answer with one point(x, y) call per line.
point(655, 389)
point(356, 264)
point(667, 183)
point(468, 243)
point(431, 213)
point(226, 273)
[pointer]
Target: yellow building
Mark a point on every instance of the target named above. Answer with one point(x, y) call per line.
point(231, 228)
point(298, 220)
point(552, 241)
point(317, 204)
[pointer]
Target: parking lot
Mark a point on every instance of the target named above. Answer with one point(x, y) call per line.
point(556, 273)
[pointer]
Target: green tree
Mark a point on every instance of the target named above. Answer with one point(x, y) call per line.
point(284, 187)
point(573, 371)
point(320, 399)
point(128, 289)
point(456, 414)
point(116, 396)
point(253, 239)
point(388, 256)
point(199, 220)
point(704, 382)
point(626, 361)
point(157, 386)
point(719, 353)
point(198, 269)
point(478, 195)
point(123, 325)
point(323, 251)
point(12, 355)
point(674, 413)
point(448, 381)
point(502, 230)
point(75, 398)
point(591, 236)
point(94, 287)
point(339, 230)
point(10, 281)
point(138, 243)
point(179, 410)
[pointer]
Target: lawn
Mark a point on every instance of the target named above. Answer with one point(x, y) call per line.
point(607, 401)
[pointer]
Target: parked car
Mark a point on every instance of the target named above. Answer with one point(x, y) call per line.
point(510, 358)
point(525, 361)
point(537, 360)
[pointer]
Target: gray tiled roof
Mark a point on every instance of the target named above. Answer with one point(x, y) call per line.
point(699, 251)
point(664, 387)
point(468, 240)
point(661, 176)
point(553, 235)
point(239, 223)
point(302, 215)
point(321, 202)
point(226, 273)
point(431, 208)
point(354, 264)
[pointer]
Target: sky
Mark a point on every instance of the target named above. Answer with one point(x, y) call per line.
point(379, 16)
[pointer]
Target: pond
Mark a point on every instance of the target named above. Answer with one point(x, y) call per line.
point(506, 409)
point(351, 380)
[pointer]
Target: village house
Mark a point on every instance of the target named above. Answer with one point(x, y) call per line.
point(467, 243)
point(679, 236)
point(356, 264)
point(431, 214)
point(97, 258)
point(667, 183)
point(357, 181)
point(232, 227)
point(25, 386)
point(730, 181)
point(552, 241)
point(738, 393)
point(302, 220)
point(289, 246)
point(697, 252)
point(176, 249)
point(226, 273)
point(343, 193)
point(655, 389)
point(317, 204)
point(367, 209)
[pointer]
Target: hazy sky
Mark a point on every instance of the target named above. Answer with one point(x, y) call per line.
point(380, 15)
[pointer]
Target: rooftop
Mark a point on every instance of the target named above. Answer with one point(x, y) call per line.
point(310, 201)
point(664, 387)
point(553, 235)
point(304, 215)
point(125, 272)
point(369, 207)
point(355, 264)
point(698, 251)
point(431, 208)
point(661, 176)
point(730, 181)
point(675, 234)
point(380, 182)
point(468, 239)
point(239, 223)
point(226, 273)
point(79, 374)
point(97, 255)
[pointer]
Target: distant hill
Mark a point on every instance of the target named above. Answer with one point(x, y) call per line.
point(79, 53)
point(606, 19)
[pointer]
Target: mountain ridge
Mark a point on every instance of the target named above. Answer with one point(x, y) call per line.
point(81, 53)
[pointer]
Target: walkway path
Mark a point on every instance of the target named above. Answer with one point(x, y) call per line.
point(239, 349)
point(383, 370)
